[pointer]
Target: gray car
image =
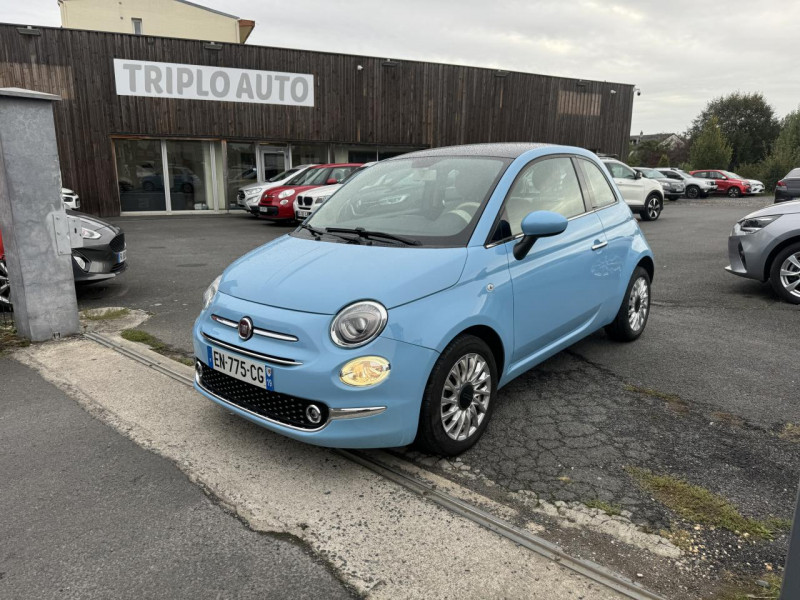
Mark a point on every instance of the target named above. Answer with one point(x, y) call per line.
point(673, 189)
point(766, 245)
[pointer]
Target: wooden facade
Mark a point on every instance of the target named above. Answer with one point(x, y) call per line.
point(409, 104)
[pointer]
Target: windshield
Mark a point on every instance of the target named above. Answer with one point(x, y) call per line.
point(651, 173)
point(432, 200)
point(282, 176)
point(731, 175)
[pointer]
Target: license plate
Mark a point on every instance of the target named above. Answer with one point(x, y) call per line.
point(243, 369)
point(121, 256)
point(303, 213)
point(262, 209)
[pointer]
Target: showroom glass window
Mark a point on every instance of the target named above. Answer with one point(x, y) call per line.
point(190, 175)
point(140, 175)
point(242, 169)
point(306, 154)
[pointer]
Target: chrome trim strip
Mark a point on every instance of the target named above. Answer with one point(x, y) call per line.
point(354, 413)
point(600, 245)
point(264, 357)
point(284, 337)
point(256, 415)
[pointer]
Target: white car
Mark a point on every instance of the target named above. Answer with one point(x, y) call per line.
point(307, 202)
point(70, 199)
point(249, 195)
point(644, 196)
point(696, 187)
point(756, 186)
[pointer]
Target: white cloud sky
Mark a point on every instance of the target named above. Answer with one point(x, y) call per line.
point(680, 53)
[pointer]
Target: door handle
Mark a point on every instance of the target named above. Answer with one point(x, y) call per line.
point(598, 244)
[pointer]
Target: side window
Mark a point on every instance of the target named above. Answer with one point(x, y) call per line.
point(620, 171)
point(701, 174)
point(599, 190)
point(549, 184)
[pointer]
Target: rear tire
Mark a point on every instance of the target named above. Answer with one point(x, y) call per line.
point(692, 191)
point(632, 317)
point(652, 208)
point(734, 192)
point(459, 398)
point(784, 274)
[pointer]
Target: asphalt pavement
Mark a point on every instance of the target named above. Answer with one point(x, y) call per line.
point(87, 513)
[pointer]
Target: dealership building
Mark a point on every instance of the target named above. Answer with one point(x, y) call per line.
point(150, 124)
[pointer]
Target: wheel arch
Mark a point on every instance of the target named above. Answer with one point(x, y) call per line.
point(774, 252)
point(648, 265)
point(492, 339)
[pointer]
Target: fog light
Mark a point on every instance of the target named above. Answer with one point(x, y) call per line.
point(81, 261)
point(313, 414)
point(364, 371)
point(284, 202)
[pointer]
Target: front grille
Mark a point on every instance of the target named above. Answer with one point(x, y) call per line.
point(272, 405)
point(118, 243)
point(306, 200)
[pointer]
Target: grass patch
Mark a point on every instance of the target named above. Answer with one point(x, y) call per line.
point(142, 337)
point(606, 507)
point(727, 419)
point(699, 505)
point(679, 537)
point(10, 340)
point(674, 402)
point(746, 590)
point(790, 433)
point(108, 315)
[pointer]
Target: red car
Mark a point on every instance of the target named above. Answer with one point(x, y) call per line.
point(727, 182)
point(276, 204)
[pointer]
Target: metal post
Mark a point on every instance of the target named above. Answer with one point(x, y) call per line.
point(36, 230)
point(791, 575)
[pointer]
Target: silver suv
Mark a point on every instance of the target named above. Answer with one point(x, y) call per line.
point(644, 196)
point(696, 187)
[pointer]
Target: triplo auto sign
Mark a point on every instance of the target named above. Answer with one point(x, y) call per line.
point(196, 82)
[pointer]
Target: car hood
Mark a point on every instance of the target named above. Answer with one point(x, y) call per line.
point(325, 190)
point(783, 208)
point(322, 277)
point(260, 186)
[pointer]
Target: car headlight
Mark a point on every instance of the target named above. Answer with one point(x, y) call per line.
point(210, 292)
point(754, 224)
point(364, 371)
point(252, 192)
point(358, 324)
point(286, 194)
point(88, 234)
point(321, 199)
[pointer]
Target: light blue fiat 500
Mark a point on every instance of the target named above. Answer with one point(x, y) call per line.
point(396, 312)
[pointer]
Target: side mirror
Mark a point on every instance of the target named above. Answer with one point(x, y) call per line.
point(332, 181)
point(538, 224)
point(638, 175)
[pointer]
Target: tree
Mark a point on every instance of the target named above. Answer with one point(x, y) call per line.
point(645, 154)
point(746, 121)
point(785, 154)
point(710, 150)
point(663, 161)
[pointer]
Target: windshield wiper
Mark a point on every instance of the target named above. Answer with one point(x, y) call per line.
point(363, 233)
point(317, 233)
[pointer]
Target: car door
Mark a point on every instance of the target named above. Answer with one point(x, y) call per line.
point(631, 188)
point(555, 292)
point(722, 182)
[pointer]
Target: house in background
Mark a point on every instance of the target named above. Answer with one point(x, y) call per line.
point(164, 18)
point(667, 141)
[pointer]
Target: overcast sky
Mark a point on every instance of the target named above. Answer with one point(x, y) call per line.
point(680, 53)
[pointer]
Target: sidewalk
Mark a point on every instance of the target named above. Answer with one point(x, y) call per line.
point(383, 540)
point(86, 513)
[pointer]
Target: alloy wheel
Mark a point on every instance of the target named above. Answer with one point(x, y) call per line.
point(790, 274)
point(5, 288)
point(652, 208)
point(638, 304)
point(465, 397)
point(692, 192)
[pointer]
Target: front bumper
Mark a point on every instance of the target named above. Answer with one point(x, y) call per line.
point(747, 252)
point(384, 415)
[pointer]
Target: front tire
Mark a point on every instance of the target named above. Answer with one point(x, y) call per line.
point(631, 319)
point(692, 192)
point(652, 208)
point(734, 192)
point(459, 398)
point(784, 275)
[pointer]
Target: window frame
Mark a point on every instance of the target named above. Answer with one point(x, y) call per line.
point(491, 243)
point(140, 22)
point(587, 189)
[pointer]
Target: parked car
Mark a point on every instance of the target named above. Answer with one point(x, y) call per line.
point(397, 310)
point(70, 199)
point(103, 255)
point(644, 196)
point(695, 186)
point(249, 196)
point(727, 182)
point(277, 204)
point(788, 188)
point(311, 200)
point(756, 186)
point(765, 245)
point(673, 189)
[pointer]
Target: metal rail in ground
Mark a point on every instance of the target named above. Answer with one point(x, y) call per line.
point(526, 539)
